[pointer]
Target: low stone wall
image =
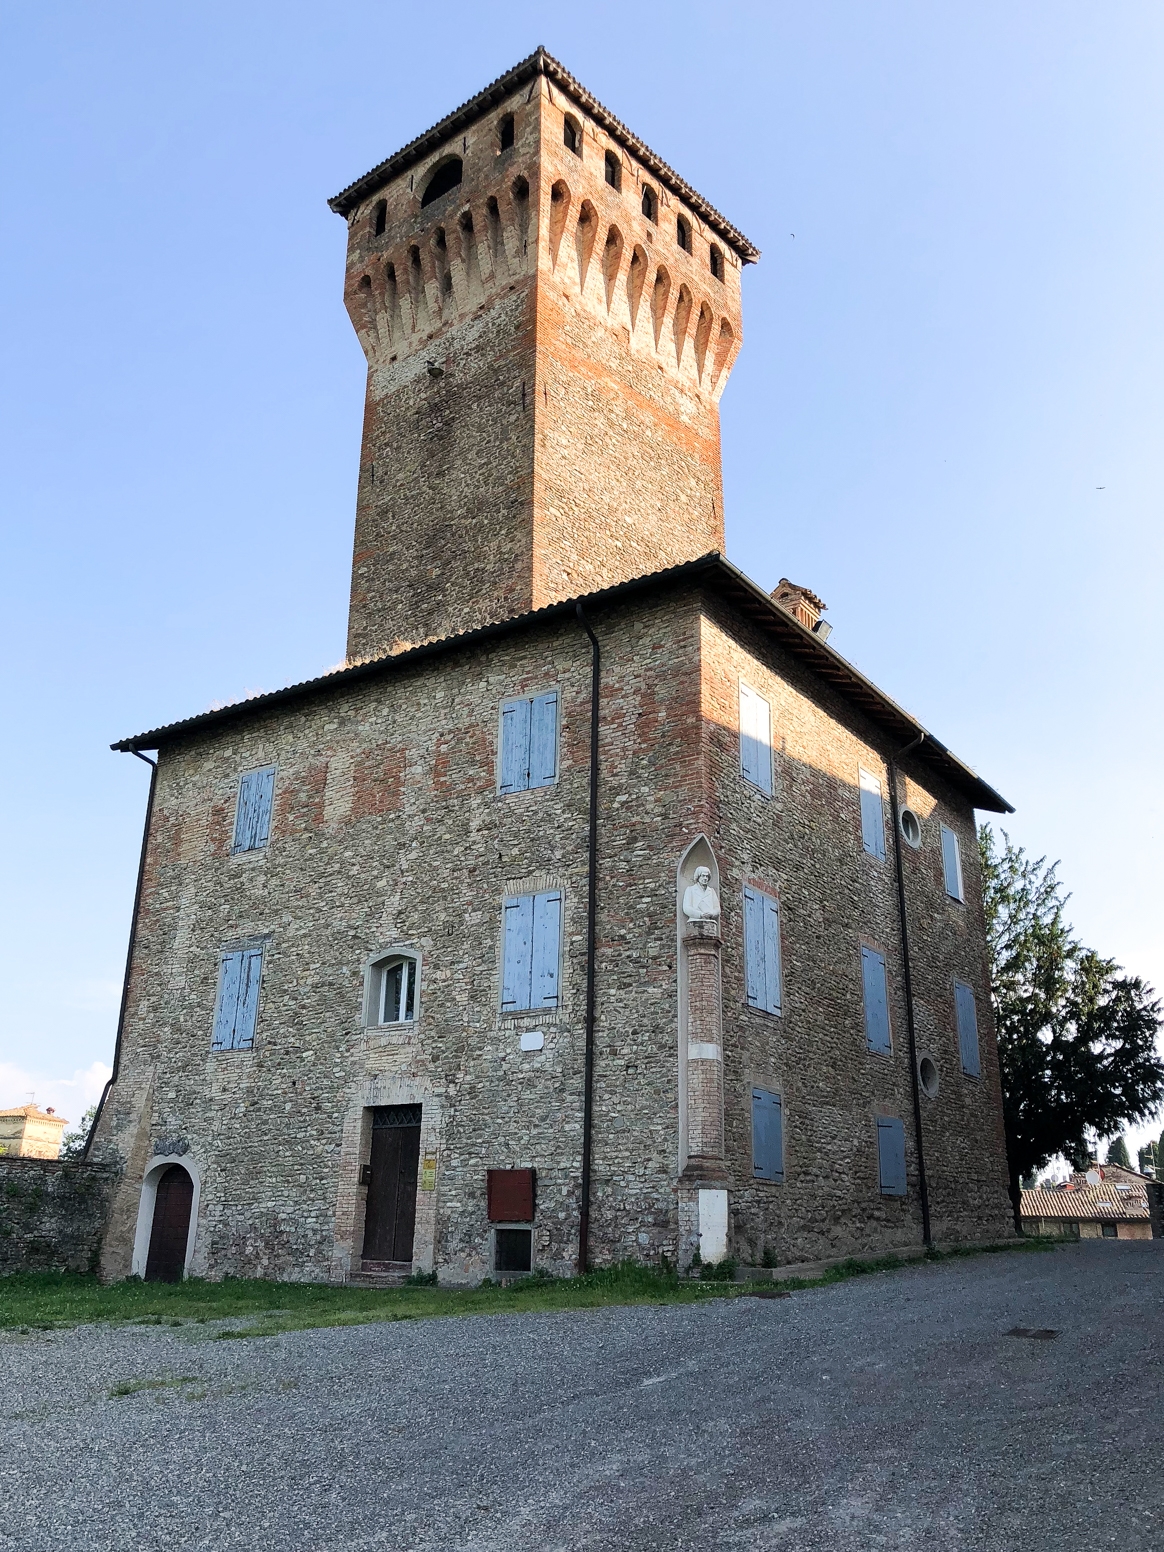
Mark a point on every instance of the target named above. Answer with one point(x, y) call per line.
point(52, 1213)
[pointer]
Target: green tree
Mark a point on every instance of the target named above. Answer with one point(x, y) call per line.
point(73, 1143)
point(1076, 1036)
point(1117, 1152)
point(1160, 1158)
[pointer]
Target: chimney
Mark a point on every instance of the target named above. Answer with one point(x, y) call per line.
point(802, 605)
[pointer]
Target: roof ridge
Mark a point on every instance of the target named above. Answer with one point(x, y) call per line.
point(541, 62)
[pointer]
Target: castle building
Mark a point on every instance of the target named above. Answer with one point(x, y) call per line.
point(596, 908)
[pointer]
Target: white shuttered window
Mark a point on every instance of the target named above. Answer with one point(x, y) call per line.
point(872, 815)
point(755, 739)
point(952, 864)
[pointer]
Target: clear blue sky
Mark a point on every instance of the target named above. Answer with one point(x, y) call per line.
point(960, 345)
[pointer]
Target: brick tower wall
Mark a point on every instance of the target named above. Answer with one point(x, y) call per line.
point(544, 369)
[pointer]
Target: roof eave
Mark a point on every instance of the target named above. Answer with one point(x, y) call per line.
point(541, 63)
point(746, 594)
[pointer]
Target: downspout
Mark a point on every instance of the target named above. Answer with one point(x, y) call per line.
point(145, 836)
point(591, 920)
point(907, 975)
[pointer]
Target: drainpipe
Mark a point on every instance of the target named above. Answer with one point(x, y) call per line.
point(923, 1187)
point(145, 835)
point(591, 917)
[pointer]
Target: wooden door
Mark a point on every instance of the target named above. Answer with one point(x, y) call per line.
point(390, 1216)
point(166, 1262)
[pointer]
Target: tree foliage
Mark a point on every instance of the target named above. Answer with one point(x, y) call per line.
point(73, 1142)
point(1076, 1036)
point(1117, 1152)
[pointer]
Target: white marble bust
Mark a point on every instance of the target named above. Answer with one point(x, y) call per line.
point(700, 901)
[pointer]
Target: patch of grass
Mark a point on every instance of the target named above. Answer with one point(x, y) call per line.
point(53, 1300)
point(168, 1382)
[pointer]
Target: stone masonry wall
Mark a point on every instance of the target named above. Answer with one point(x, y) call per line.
point(52, 1214)
point(803, 845)
point(388, 832)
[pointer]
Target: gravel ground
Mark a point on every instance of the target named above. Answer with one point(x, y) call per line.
point(891, 1411)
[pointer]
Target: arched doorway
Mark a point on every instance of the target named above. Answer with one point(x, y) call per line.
point(166, 1261)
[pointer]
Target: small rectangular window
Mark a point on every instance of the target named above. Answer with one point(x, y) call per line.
point(532, 951)
point(952, 864)
point(239, 975)
point(872, 815)
point(876, 1001)
point(1109, 1231)
point(755, 739)
point(967, 1016)
point(529, 743)
point(891, 1155)
point(512, 1250)
point(762, 950)
point(252, 819)
point(767, 1135)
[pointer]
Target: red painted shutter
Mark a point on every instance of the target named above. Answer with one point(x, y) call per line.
point(511, 1194)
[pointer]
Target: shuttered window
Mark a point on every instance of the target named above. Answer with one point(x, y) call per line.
point(872, 815)
point(767, 1135)
point(511, 1195)
point(876, 1001)
point(755, 739)
point(891, 1155)
point(532, 951)
point(762, 950)
point(529, 743)
point(239, 975)
point(967, 1016)
point(252, 820)
point(952, 864)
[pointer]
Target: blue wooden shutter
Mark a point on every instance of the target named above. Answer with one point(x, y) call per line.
point(872, 817)
point(754, 947)
point(771, 953)
point(767, 1136)
point(951, 863)
point(515, 726)
point(876, 1001)
point(891, 1155)
point(967, 1015)
point(755, 739)
point(252, 820)
point(547, 948)
point(543, 740)
point(250, 974)
point(517, 955)
point(264, 793)
point(229, 981)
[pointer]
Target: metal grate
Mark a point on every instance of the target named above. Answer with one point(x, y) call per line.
point(395, 1115)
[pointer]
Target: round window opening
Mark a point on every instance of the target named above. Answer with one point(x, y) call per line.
point(927, 1072)
point(911, 827)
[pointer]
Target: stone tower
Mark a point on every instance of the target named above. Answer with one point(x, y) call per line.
point(549, 315)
